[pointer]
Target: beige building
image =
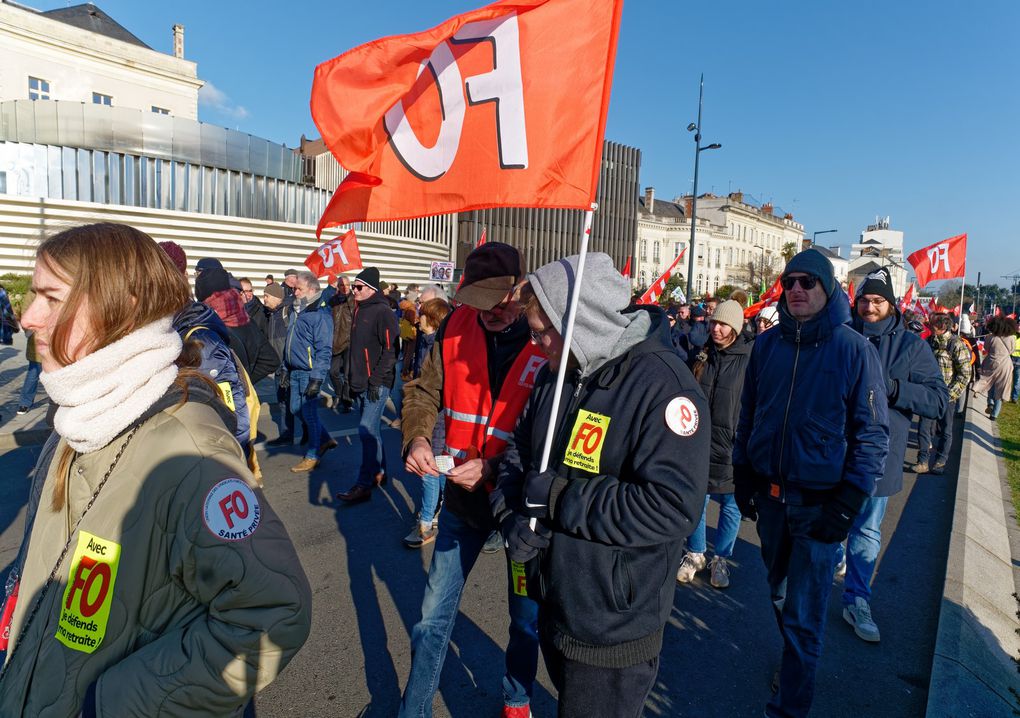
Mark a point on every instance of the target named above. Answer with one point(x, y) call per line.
point(736, 238)
point(880, 246)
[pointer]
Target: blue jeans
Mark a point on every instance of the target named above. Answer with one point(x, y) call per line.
point(431, 490)
point(397, 392)
point(800, 579)
point(725, 534)
point(1015, 394)
point(935, 435)
point(308, 410)
point(456, 550)
point(995, 406)
point(373, 458)
point(31, 384)
point(862, 548)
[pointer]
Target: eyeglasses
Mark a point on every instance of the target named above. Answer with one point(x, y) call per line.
point(763, 320)
point(806, 282)
point(879, 302)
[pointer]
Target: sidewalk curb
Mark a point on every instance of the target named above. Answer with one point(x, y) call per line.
point(974, 672)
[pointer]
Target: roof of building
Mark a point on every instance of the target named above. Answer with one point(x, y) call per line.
point(89, 17)
point(828, 252)
point(662, 208)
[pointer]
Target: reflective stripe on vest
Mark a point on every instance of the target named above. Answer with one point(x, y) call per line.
point(477, 426)
point(1016, 347)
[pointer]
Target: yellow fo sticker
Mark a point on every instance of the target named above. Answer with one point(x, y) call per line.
point(85, 609)
point(520, 581)
point(585, 448)
point(227, 394)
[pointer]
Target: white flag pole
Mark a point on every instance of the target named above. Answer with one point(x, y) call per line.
point(568, 335)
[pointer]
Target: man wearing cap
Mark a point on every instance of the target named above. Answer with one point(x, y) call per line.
point(479, 374)
point(691, 343)
point(811, 441)
point(370, 371)
point(913, 385)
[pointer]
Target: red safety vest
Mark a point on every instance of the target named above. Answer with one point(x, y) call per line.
point(475, 425)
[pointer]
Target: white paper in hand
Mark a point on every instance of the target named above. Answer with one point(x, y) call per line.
point(445, 463)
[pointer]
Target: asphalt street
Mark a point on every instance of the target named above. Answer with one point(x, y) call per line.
point(721, 646)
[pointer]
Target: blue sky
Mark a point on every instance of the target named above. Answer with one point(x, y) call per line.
point(836, 112)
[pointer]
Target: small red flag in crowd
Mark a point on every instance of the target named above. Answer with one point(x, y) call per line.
point(908, 298)
point(331, 259)
point(504, 106)
point(659, 285)
point(943, 260)
point(850, 291)
point(626, 268)
point(768, 299)
point(481, 240)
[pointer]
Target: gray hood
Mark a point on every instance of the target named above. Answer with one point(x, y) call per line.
point(601, 332)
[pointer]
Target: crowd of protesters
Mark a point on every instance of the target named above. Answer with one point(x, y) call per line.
point(795, 417)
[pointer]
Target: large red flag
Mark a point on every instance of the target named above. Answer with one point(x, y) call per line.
point(768, 299)
point(943, 260)
point(330, 259)
point(626, 268)
point(511, 112)
point(659, 285)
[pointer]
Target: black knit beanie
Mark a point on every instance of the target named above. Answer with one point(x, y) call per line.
point(878, 282)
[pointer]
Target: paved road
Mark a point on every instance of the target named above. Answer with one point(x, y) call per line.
point(720, 650)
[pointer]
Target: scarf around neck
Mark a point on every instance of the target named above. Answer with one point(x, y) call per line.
point(101, 394)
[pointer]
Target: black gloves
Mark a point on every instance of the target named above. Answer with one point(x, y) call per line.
point(523, 544)
point(312, 390)
point(283, 379)
point(745, 489)
point(892, 389)
point(373, 393)
point(838, 513)
point(537, 488)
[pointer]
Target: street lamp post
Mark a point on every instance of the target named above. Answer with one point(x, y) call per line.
point(822, 231)
point(761, 282)
point(696, 129)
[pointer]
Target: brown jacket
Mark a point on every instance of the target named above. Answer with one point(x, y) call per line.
point(342, 318)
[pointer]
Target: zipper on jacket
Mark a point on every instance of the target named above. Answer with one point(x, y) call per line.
point(786, 416)
point(871, 404)
point(310, 365)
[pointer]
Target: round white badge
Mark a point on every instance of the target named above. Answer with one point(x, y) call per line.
point(682, 416)
point(231, 510)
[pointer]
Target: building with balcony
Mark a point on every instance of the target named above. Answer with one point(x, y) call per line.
point(880, 246)
point(69, 158)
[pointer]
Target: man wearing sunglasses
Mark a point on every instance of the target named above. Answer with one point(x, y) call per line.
point(478, 377)
point(914, 385)
point(811, 441)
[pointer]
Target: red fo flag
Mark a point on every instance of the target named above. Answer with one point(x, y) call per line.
point(481, 240)
point(626, 268)
point(908, 298)
point(330, 259)
point(659, 285)
point(768, 299)
point(504, 106)
point(943, 260)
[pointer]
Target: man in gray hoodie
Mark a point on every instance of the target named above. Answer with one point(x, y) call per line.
point(625, 485)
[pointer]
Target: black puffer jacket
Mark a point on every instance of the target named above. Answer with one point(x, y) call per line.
point(373, 348)
point(722, 380)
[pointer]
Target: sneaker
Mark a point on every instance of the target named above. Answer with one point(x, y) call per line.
point(282, 440)
point(939, 468)
point(859, 616)
point(22, 410)
point(720, 571)
point(690, 565)
point(516, 711)
point(420, 535)
point(921, 467)
point(304, 465)
point(494, 544)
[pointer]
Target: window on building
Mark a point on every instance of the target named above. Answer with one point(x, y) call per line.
point(644, 249)
point(677, 248)
point(718, 258)
point(38, 89)
point(701, 278)
point(160, 110)
point(100, 99)
point(656, 252)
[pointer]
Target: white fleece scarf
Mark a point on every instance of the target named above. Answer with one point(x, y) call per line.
point(102, 394)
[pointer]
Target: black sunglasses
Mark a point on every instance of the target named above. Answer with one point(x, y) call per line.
point(806, 282)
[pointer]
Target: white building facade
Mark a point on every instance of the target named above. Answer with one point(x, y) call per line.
point(880, 246)
point(732, 232)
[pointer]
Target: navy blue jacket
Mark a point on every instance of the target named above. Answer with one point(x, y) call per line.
point(690, 341)
point(309, 344)
point(813, 411)
point(914, 385)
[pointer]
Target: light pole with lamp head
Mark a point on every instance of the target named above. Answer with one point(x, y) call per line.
point(822, 231)
point(696, 129)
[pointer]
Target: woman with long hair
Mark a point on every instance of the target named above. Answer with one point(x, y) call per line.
point(153, 578)
point(996, 380)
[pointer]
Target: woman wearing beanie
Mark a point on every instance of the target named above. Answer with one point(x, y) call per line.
point(153, 578)
point(720, 369)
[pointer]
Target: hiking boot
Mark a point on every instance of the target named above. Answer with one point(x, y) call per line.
point(858, 615)
point(494, 544)
point(921, 467)
point(420, 535)
point(523, 711)
point(304, 465)
point(356, 494)
point(326, 446)
point(939, 468)
point(690, 565)
point(281, 440)
point(720, 572)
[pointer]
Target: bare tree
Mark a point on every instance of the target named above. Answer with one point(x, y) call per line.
point(757, 274)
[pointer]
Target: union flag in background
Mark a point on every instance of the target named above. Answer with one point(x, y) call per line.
point(333, 258)
point(943, 260)
point(501, 106)
point(908, 298)
point(768, 299)
point(659, 285)
point(626, 268)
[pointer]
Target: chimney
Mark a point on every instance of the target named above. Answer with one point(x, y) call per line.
point(766, 209)
point(649, 199)
point(737, 196)
point(805, 243)
point(179, 41)
point(688, 206)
